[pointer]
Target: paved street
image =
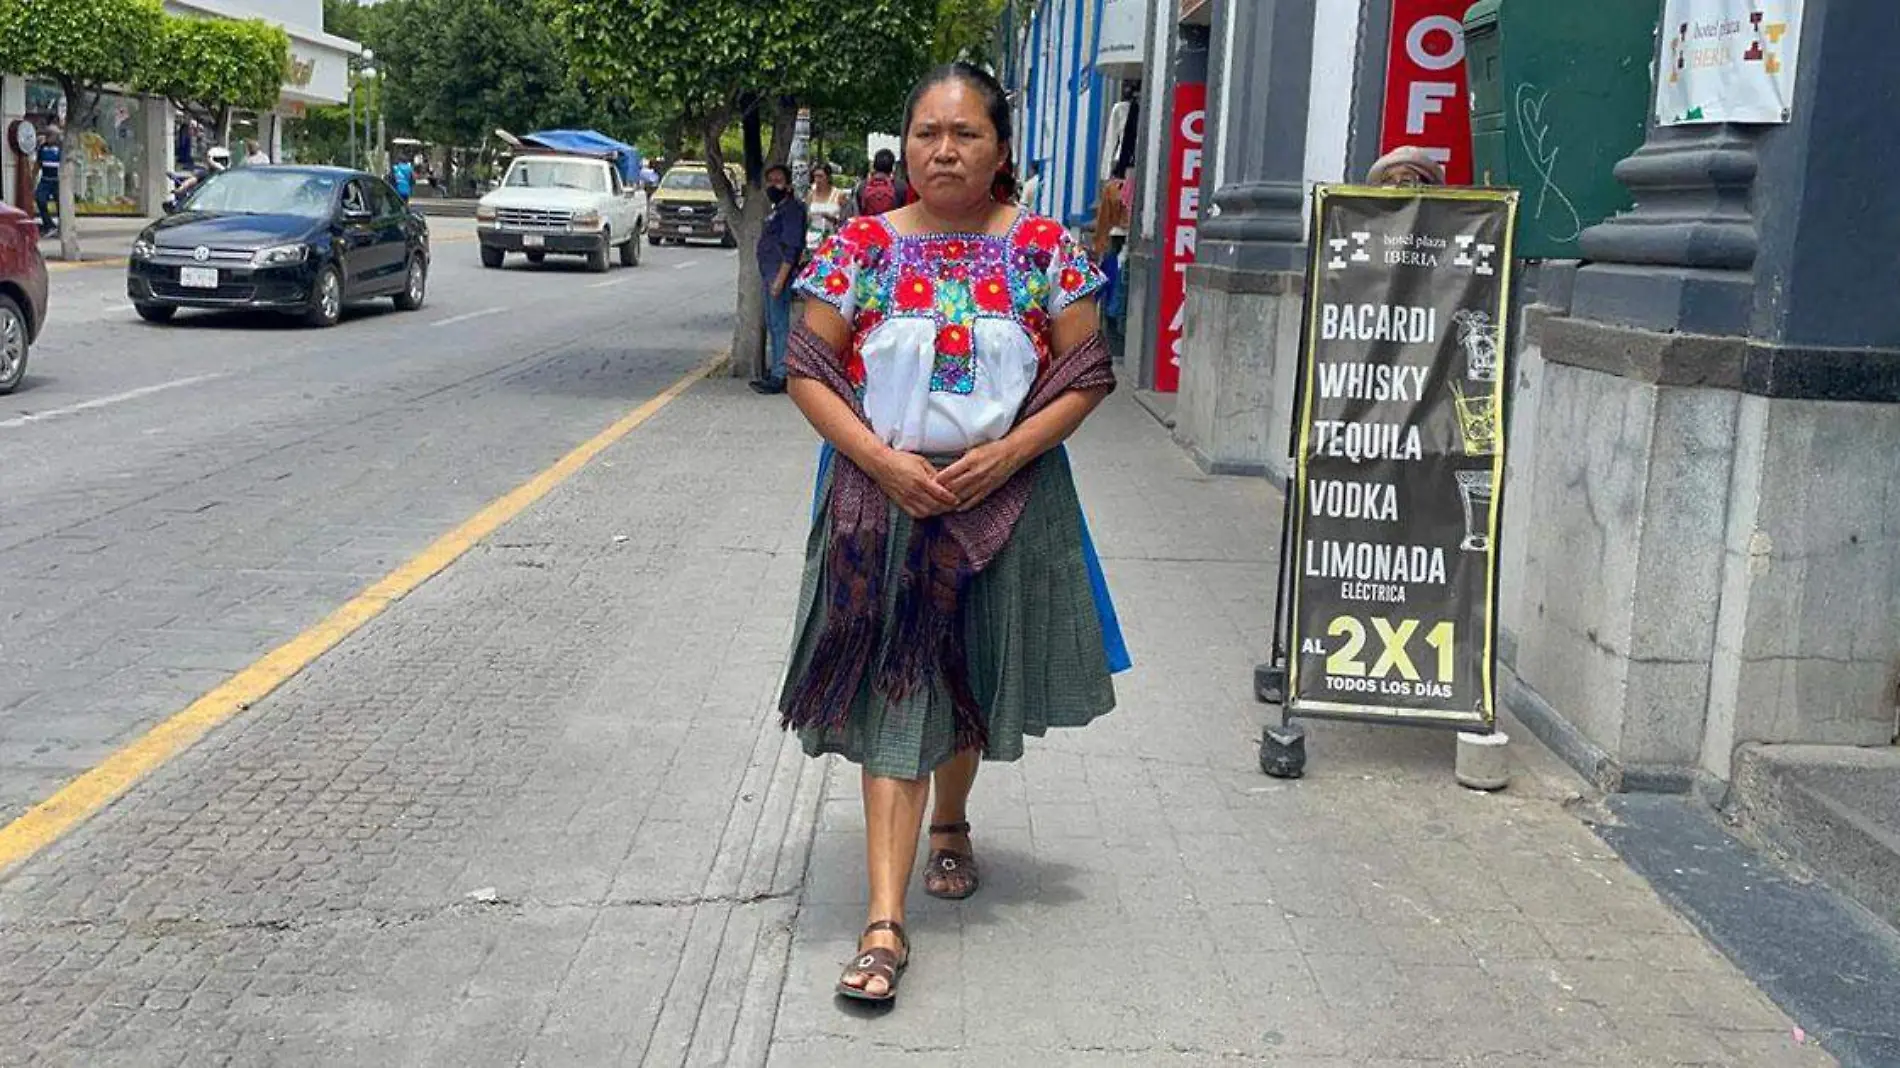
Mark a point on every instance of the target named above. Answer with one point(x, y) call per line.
point(538, 812)
point(180, 499)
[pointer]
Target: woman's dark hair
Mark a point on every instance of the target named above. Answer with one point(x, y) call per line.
point(995, 105)
point(821, 165)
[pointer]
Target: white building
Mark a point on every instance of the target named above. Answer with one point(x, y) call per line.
point(120, 160)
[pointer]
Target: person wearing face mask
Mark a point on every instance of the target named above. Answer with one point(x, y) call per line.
point(781, 247)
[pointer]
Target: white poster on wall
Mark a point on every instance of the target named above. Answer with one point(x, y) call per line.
point(1727, 61)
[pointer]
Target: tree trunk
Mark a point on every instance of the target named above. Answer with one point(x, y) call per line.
point(78, 112)
point(747, 223)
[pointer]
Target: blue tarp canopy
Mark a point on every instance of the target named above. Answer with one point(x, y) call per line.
point(589, 143)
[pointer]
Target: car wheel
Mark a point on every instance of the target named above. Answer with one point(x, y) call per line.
point(597, 260)
point(156, 313)
point(653, 239)
point(326, 299)
point(13, 345)
point(536, 257)
point(492, 257)
point(728, 241)
point(416, 288)
point(630, 252)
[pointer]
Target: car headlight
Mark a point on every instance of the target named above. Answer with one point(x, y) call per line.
point(585, 220)
point(280, 255)
point(143, 249)
point(484, 213)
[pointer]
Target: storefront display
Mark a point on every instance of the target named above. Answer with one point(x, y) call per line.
point(103, 157)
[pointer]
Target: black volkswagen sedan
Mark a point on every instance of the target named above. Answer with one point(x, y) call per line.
point(302, 240)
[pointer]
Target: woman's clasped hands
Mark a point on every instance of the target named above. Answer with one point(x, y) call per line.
point(922, 491)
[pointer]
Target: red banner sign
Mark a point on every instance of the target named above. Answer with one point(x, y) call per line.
point(1181, 210)
point(1427, 97)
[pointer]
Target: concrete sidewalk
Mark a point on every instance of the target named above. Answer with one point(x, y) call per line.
point(101, 237)
point(1151, 898)
point(540, 813)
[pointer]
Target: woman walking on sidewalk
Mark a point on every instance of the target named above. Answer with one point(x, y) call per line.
point(951, 603)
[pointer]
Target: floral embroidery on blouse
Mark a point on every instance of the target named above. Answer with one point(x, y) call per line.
point(870, 274)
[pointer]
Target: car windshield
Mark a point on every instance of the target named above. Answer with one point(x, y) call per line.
point(263, 191)
point(693, 181)
point(557, 174)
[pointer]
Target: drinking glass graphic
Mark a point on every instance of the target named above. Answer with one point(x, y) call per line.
point(1479, 340)
point(1477, 420)
point(1474, 490)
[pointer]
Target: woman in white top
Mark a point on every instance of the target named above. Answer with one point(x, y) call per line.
point(827, 208)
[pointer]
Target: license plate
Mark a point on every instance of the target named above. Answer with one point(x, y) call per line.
point(198, 277)
point(686, 229)
point(533, 241)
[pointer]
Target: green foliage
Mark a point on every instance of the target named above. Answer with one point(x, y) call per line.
point(83, 44)
point(711, 57)
point(965, 29)
point(207, 65)
point(458, 69)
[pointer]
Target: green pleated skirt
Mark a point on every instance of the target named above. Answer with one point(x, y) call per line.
point(1030, 627)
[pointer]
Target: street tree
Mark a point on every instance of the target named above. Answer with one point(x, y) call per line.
point(84, 45)
point(965, 30)
point(456, 70)
point(726, 62)
point(209, 67)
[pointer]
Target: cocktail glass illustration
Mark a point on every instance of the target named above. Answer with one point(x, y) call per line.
point(1474, 490)
point(1478, 337)
point(1477, 420)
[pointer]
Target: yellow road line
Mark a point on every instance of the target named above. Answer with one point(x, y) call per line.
point(45, 822)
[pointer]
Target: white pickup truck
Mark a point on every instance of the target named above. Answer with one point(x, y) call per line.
point(550, 204)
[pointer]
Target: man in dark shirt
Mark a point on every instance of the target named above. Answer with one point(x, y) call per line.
point(781, 246)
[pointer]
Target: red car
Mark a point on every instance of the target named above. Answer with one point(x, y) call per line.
point(22, 292)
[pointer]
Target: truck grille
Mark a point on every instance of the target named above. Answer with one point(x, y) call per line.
point(533, 218)
point(688, 212)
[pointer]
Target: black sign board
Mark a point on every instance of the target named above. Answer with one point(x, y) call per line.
point(1399, 456)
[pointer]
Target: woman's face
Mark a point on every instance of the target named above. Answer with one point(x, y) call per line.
point(820, 178)
point(952, 152)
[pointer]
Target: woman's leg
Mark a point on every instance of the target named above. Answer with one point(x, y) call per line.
point(893, 811)
point(954, 779)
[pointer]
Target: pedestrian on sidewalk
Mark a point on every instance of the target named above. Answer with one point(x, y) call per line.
point(781, 250)
point(48, 158)
point(949, 605)
point(827, 208)
point(879, 192)
point(1406, 165)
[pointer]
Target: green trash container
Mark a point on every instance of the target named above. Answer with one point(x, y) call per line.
point(1560, 92)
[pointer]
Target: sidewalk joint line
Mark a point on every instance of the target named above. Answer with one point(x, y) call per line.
point(94, 789)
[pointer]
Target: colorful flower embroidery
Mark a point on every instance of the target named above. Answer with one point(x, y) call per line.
point(992, 295)
point(954, 370)
point(915, 293)
point(872, 275)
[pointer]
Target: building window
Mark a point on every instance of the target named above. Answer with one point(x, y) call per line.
point(104, 159)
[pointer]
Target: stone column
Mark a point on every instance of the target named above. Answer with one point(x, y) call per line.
point(1244, 291)
point(1715, 553)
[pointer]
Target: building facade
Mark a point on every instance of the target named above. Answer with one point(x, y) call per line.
point(119, 162)
point(1701, 554)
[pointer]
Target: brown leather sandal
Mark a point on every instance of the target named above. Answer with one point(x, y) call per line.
point(951, 874)
point(877, 963)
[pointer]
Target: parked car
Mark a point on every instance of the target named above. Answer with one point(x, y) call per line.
point(302, 240)
point(686, 209)
point(22, 293)
point(550, 204)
